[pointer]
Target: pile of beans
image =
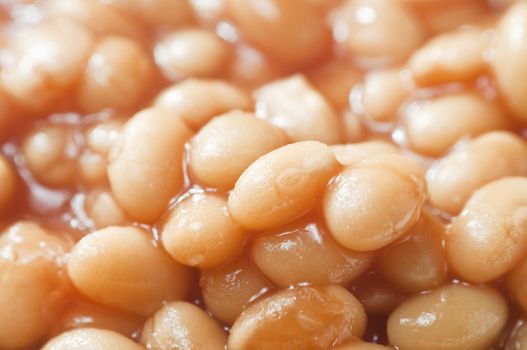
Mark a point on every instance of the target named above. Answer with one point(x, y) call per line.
point(263, 174)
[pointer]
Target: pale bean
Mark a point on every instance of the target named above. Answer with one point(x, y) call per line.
point(200, 232)
point(8, 183)
point(372, 29)
point(197, 101)
point(509, 62)
point(302, 252)
point(488, 157)
point(33, 285)
point(191, 52)
point(229, 289)
point(334, 81)
point(50, 154)
point(92, 168)
point(103, 210)
point(433, 126)
point(350, 153)
point(295, 106)
point(373, 202)
point(383, 94)
point(298, 319)
point(148, 151)
point(97, 17)
point(228, 144)
point(208, 12)
point(354, 130)
point(282, 185)
point(456, 56)
point(182, 325)
point(93, 161)
point(417, 263)
point(114, 267)
point(118, 75)
point(250, 67)
point(452, 317)
point(91, 339)
point(291, 32)
point(41, 63)
point(489, 237)
point(101, 137)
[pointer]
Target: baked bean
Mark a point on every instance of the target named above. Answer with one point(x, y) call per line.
point(41, 63)
point(148, 151)
point(191, 52)
point(181, 325)
point(282, 185)
point(450, 317)
point(383, 93)
point(50, 154)
point(416, 263)
point(173, 13)
point(229, 289)
point(85, 314)
point(488, 238)
point(361, 345)
point(113, 267)
point(92, 168)
point(354, 152)
point(33, 284)
point(334, 81)
point(298, 319)
point(118, 76)
point(295, 106)
point(433, 126)
point(93, 160)
point(372, 29)
point(509, 64)
point(373, 202)
point(303, 252)
point(91, 339)
point(228, 144)
point(200, 232)
point(196, 101)
point(97, 17)
point(101, 137)
point(518, 338)
point(291, 32)
point(103, 210)
point(488, 157)
point(377, 296)
point(208, 12)
point(354, 130)
point(8, 182)
point(250, 68)
point(452, 57)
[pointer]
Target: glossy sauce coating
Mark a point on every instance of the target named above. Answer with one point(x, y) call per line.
point(305, 317)
point(449, 317)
